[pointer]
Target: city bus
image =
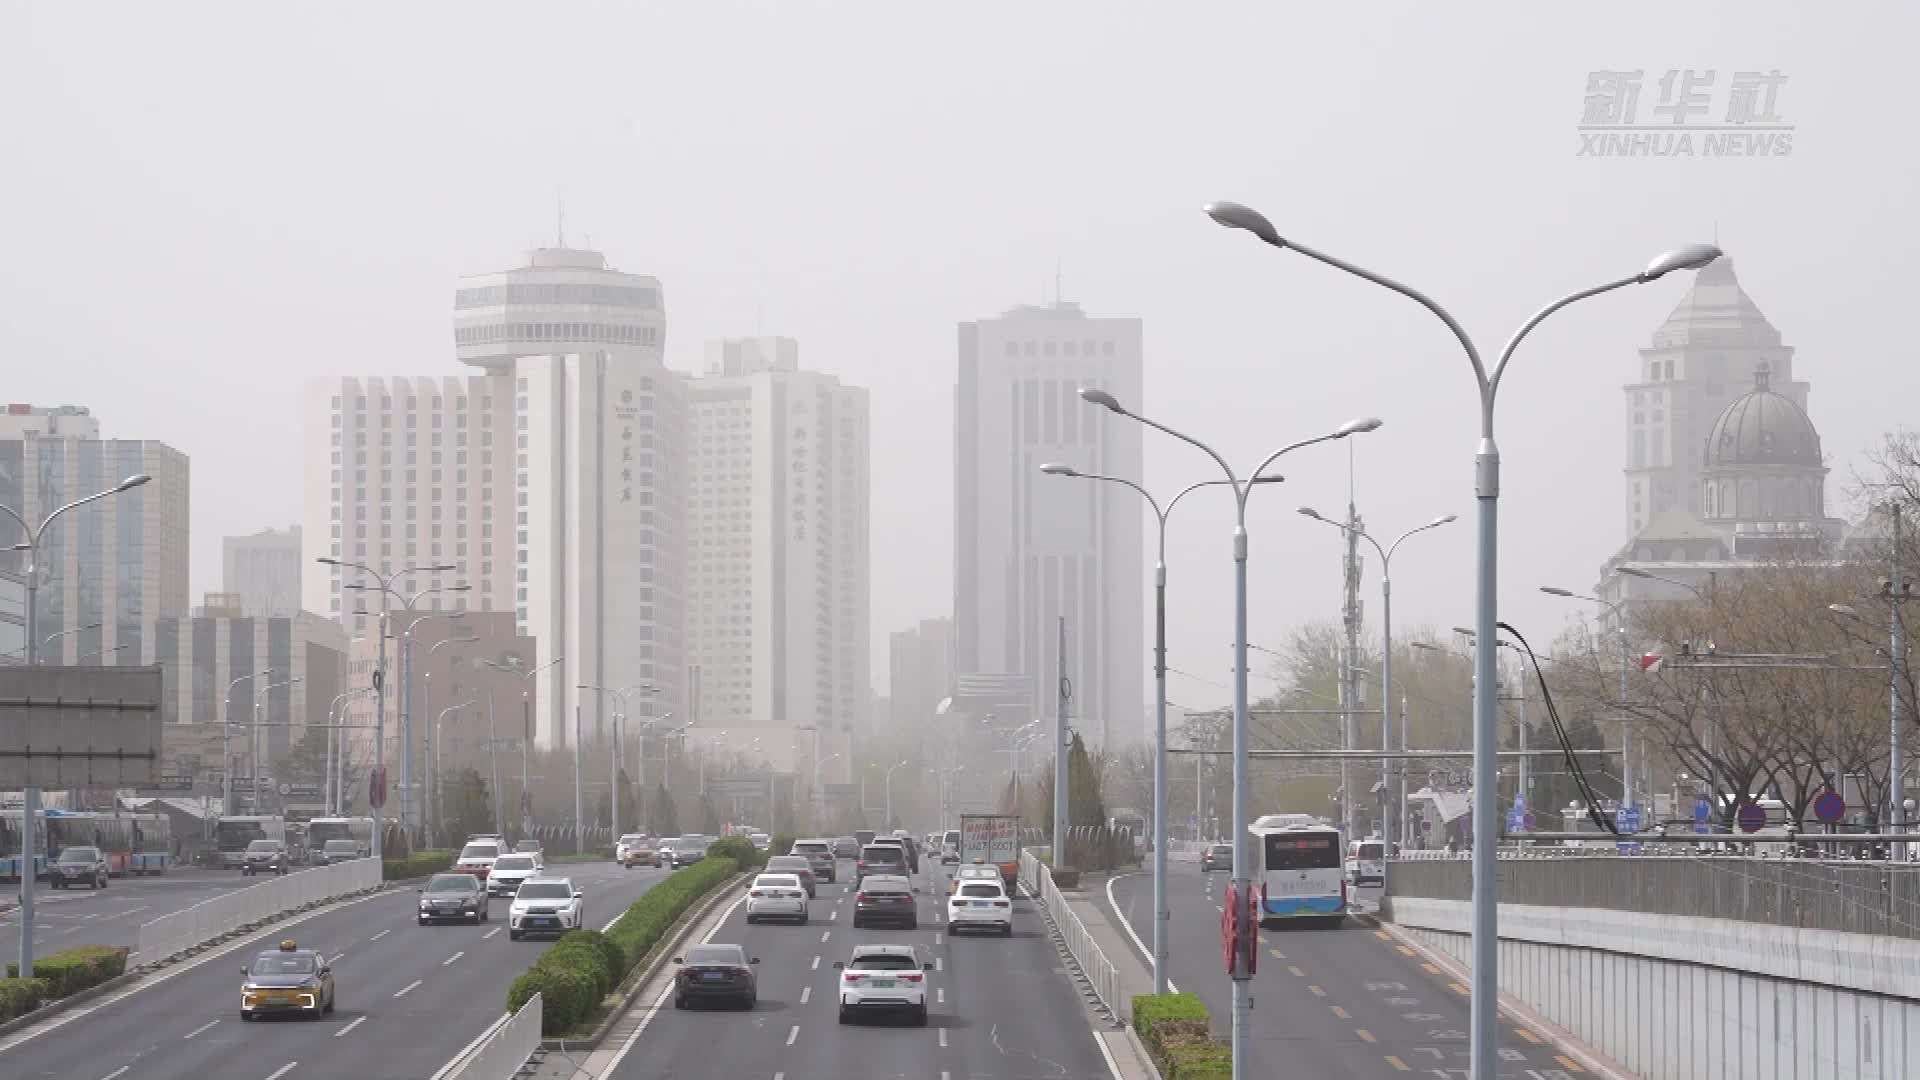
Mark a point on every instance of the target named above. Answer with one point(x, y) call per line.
point(231, 835)
point(1301, 870)
point(131, 843)
point(357, 829)
point(11, 835)
point(1135, 823)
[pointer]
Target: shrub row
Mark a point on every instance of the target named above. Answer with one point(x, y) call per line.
point(782, 843)
point(1179, 1036)
point(58, 975)
point(740, 849)
point(584, 966)
point(417, 865)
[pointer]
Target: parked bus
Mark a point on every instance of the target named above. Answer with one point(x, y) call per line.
point(11, 834)
point(232, 835)
point(1135, 823)
point(357, 829)
point(131, 843)
point(1300, 868)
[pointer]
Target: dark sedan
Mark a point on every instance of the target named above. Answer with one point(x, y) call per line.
point(1217, 857)
point(716, 973)
point(888, 899)
point(453, 898)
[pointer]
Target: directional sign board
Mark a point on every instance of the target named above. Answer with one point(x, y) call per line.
point(737, 789)
point(1627, 820)
point(1702, 814)
point(75, 727)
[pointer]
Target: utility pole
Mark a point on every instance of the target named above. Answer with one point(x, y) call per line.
point(1352, 616)
point(1896, 675)
point(1061, 745)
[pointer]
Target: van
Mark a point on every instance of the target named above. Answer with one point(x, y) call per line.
point(1367, 863)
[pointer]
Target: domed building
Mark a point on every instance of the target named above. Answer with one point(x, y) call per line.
point(1761, 462)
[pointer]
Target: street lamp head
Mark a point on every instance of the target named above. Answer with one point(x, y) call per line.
point(1093, 395)
point(1443, 519)
point(1054, 468)
point(1357, 427)
point(1843, 610)
point(1463, 631)
point(1308, 511)
point(1233, 215)
point(1690, 257)
point(132, 482)
point(1554, 591)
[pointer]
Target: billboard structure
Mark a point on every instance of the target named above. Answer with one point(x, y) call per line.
point(79, 727)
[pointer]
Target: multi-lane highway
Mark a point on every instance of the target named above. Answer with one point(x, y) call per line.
point(410, 998)
point(1348, 1004)
point(111, 916)
point(1000, 1007)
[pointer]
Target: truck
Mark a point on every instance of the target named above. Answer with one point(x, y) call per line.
point(993, 839)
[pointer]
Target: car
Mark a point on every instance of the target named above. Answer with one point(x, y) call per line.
point(689, 850)
point(477, 857)
point(509, 871)
point(877, 858)
point(627, 840)
point(798, 866)
point(339, 851)
point(453, 898)
point(979, 871)
point(761, 841)
point(777, 896)
point(287, 980)
point(716, 972)
point(980, 905)
point(546, 905)
point(1217, 857)
point(883, 979)
point(885, 898)
point(846, 847)
point(908, 852)
point(863, 837)
point(664, 852)
point(265, 857)
point(950, 847)
point(641, 852)
point(530, 847)
point(77, 865)
point(820, 856)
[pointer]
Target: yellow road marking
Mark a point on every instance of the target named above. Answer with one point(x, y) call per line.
point(1430, 969)
point(1404, 951)
point(1528, 1035)
point(1459, 989)
point(1568, 1063)
point(1398, 1064)
point(1340, 1012)
point(1277, 954)
point(1365, 1035)
point(1317, 992)
point(1381, 934)
point(1296, 972)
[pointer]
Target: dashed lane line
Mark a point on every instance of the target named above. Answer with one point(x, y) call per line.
point(1398, 1064)
point(792, 1034)
point(1340, 1012)
point(357, 1021)
point(407, 989)
point(1365, 1035)
point(201, 1028)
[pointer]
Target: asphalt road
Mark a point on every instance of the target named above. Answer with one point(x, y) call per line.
point(1347, 1004)
point(410, 998)
point(1001, 1007)
point(111, 916)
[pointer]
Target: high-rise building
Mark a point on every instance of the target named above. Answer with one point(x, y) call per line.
point(920, 673)
point(1029, 548)
point(777, 520)
point(263, 570)
point(107, 569)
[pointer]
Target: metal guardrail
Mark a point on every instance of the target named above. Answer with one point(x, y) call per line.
point(1101, 977)
point(210, 920)
point(506, 1051)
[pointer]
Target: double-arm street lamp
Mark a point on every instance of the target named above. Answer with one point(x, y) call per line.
point(1485, 999)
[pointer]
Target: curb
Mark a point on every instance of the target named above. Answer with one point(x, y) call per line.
point(60, 1005)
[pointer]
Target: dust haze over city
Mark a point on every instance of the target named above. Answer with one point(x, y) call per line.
point(924, 227)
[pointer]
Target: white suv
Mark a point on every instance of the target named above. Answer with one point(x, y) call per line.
point(509, 871)
point(883, 979)
point(545, 905)
point(980, 905)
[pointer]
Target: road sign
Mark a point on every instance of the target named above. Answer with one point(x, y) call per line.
point(1516, 820)
point(1702, 814)
point(1627, 820)
point(1527, 821)
point(77, 727)
point(737, 789)
point(1829, 807)
point(1752, 818)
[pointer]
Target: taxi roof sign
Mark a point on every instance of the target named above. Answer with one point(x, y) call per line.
point(288, 945)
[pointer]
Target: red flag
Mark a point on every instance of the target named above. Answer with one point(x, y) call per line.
point(1651, 662)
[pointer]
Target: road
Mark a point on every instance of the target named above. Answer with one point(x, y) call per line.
point(110, 916)
point(1348, 1004)
point(410, 998)
point(1002, 1007)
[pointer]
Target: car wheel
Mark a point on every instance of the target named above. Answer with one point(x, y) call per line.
point(857, 924)
point(920, 1016)
point(679, 1002)
point(845, 1016)
point(751, 919)
point(1006, 930)
point(244, 1015)
point(913, 924)
point(804, 916)
point(329, 1009)
point(514, 935)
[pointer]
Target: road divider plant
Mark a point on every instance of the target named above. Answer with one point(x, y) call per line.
point(577, 972)
point(417, 865)
point(740, 849)
point(18, 997)
point(59, 975)
point(1178, 1035)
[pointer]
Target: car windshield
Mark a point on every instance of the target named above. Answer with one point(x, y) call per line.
point(526, 845)
point(479, 851)
point(544, 890)
point(979, 890)
point(884, 962)
point(513, 862)
point(451, 883)
point(884, 885)
point(284, 964)
point(716, 954)
point(1373, 852)
point(80, 854)
point(1223, 849)
point(979, 871)
point(340, 847)
point(264, 845)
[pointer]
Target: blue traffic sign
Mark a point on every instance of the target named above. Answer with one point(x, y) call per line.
point(1752, 819)
point(1702, 814)
point(1627, 820)
point(1516, 820)
point(1829, 807)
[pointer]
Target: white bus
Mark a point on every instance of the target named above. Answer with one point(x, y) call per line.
point(231, 835)
point(357, 829)
point(1302, 875)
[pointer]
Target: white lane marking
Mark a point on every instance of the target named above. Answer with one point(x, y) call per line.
point(940, 995)
point(832, 915)
point(945, 1075)
point(937, 964)
point(805, 993)
point(380, 935)
point(452, 958)
point(816, 964)
point(403, 991)
point(129, 911)
point(792, 1034)
point(1114, 906)
point(943, 1036)
point(824, 935)
point(121, 1071)
point(937, 937)
point(282, 1070)
point(779, 1076)
point(199, 1029)
point(660, 1001)
point(357, 1021)
point(489, 933)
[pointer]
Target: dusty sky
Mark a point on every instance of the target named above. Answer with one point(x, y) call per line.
point(204, 204)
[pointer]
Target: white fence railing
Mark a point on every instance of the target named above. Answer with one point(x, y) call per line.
point(170, 935)
point(1102, 978)
point(507, 1049)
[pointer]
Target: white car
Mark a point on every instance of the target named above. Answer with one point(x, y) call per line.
point(777, 896)
point(546, 906)
point(883, 979)
point(980, 905)
point(509, 871)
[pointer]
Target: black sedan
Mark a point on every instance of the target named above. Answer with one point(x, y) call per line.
point(716, 973)
point(885, 898)
point(1217, 857)
point(453, 898)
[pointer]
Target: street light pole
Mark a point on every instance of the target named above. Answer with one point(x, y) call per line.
point(1485, 998)
point(253, 734)
point(226, 742)
point(890, 773)
point(1240, 966)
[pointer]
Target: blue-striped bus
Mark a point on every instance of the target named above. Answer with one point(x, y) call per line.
point(1301, 871)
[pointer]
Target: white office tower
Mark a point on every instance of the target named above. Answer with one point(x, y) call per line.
point(778, 510)
point(264, 570)
point(1030, 548)
point(598, 478)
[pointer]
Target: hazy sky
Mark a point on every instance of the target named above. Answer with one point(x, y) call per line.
point(202, 205)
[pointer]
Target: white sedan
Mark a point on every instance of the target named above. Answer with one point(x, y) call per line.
point(546, 906)
point(777, 896)
point(980, 905)
point(883, 979)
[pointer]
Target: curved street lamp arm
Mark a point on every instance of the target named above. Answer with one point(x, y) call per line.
point(1387, 556)
point(1418, 297)
point(1247, 488)
point(1491, 386)
point(1232, 477)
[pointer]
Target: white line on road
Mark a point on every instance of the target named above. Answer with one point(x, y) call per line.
point(940, 995)
point(794, 1033)
point(805, 993)
point(282, 1070)
point(199, 1029)
point(943, 1036)
point(816, 964)
point(121, 1071)
point(824, 935)
point(452, 958)
point(779, 1076)
point(937, 964)
point(357, 1021)
point(380, 935)
point(832, 915)
point(489, 933)
point(402, 992)
point(937, 937)
point(1114, 906)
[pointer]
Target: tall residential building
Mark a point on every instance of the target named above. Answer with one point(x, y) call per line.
point(107, 569)
point(599, 481)
point(920, 673)
point(778, 579)
point(1029, 548)
point(263, 570)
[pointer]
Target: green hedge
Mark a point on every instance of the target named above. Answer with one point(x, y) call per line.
point(740, 849)
point(1179, 1035)
point(584, 966)
point(18, 997)
point(70, 971)
point(782, 843)
point(417, 865)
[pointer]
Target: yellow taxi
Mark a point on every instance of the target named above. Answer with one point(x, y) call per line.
point(288, 980)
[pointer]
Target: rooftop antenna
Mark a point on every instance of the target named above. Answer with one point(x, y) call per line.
point(560, 201)
point(1058, 296)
